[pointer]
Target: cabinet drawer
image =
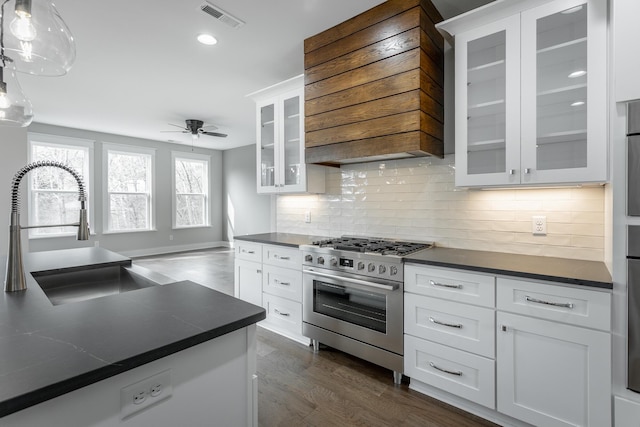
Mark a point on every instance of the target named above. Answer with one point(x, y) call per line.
point(464, 374)
point(248, 251)
point(283, 314)
point(282, 282)
point(462, 326)
point(559, 303)
point(282, 255)
point(450, 284)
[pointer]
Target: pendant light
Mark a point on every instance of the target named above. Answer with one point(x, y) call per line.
point(15, 108)
point(37, 38)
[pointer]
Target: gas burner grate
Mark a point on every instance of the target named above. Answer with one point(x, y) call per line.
point(373, 245)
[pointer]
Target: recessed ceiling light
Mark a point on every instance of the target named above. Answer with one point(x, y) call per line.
point(207, 39)
point(578, 73)
point(577, 103)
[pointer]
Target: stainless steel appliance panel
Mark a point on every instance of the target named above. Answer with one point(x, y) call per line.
point(633, 279)
point(633, 175)
point(633, 118)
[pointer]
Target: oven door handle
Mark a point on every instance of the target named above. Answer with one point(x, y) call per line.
point(354, 281)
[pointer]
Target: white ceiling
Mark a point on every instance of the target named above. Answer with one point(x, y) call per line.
point(139, 66)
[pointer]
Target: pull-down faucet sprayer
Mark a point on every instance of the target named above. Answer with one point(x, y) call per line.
point(15, 279)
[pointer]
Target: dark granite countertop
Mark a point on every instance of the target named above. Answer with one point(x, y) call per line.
point(47, 351)
point(283, 239)
point(563, 270)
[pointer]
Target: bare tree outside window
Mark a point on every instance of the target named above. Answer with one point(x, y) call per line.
point(53, 191)
point(191, 178)
point(129, 188)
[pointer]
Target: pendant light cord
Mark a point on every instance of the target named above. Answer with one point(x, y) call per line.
point(2, 57)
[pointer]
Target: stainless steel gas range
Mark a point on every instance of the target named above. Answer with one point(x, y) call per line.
point(353, 297)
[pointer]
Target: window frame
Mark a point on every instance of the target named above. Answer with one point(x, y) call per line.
point(151, 177)
point(202, 158)
point(58, 141)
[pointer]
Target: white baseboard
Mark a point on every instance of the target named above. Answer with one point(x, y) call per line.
point(174, 248)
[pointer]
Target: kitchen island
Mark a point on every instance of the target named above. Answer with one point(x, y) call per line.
point(67, 364)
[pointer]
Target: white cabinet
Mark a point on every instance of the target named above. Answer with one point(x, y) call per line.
point(449, 344)
point(271, 276)
point(531, 93)
point(551, 371)
point(553, 374)
point(509, 349)
point(625, 42)
point(280, 155)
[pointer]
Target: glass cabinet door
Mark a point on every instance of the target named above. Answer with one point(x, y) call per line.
point(267, 147)
point(292, 171)
point(560, 85)
point(487, 143)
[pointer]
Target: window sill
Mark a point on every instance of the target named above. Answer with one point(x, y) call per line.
point(190, 227)
point(129, 231)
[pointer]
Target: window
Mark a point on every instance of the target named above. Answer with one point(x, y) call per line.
point(53, 192)
point(190, 190)
point(129, 196)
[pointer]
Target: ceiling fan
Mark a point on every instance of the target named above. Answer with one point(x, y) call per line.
point(196, 128)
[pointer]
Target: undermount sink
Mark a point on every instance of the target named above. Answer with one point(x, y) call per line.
point(63, 287)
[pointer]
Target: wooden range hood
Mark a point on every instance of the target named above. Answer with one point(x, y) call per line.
point(374, 86)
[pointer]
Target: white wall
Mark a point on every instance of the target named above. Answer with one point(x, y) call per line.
point(416, 199)
point(139, 243)
point(244, 210)
point(13, 155)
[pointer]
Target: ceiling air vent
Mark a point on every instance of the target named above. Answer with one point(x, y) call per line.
point(221, 15)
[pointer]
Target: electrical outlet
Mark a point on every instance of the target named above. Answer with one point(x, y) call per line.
point(307, 216)
point(142, 394)
point(539, 225)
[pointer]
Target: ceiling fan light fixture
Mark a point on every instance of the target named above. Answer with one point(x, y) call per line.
point(207, 39)
point(37, 39)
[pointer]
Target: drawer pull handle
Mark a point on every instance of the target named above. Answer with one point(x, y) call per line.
point(278, 282)
point(286, 258)
point(248, 252)
point(555, 304)
point(451, 325)
point(445, 285)
point(281, 313)
point(446, 371)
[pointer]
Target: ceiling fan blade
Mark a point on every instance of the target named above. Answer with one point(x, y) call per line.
point(178, 126)
point(212, 127)
point(221, 135)
point(174, 131)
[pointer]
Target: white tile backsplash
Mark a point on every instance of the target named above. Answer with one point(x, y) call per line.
point(416, 199)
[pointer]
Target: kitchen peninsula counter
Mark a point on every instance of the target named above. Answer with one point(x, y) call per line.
point(282, 239)
point(47, 351)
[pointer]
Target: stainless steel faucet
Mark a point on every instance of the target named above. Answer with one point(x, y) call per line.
point(15, 279)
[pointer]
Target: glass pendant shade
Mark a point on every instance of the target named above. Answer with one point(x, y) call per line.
point(36, 38)
point(15, 108)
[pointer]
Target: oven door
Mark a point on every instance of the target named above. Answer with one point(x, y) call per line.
point(366, 310)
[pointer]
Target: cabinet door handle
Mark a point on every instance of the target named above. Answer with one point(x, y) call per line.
point(248, 252)
point(281, 313)
point(278, 282)
point(258, 271)
point(446, 371)
point(527, 171)
point(555, 304)
point(445, 285)
point(512, 171)
point(451, 325)
point(503, 328)
point(285, 258)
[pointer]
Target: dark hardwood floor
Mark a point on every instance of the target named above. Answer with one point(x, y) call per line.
point(300, 388)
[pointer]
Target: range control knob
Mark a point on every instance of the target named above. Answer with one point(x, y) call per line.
point(334, 262)
point(382, 269)
point(320, 260)
point(371, 267)
point(308, 258)
point(360, 265)
point(393, 270)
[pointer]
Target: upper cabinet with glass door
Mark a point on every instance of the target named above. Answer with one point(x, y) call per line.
point(280, 159)
point(531, 93)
